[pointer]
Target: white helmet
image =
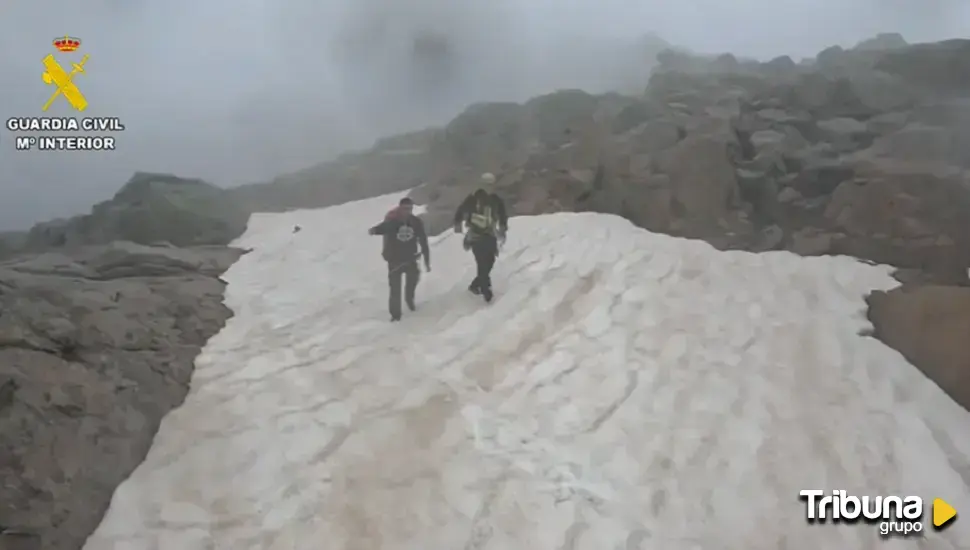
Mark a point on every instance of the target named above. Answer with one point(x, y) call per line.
point(488, 178)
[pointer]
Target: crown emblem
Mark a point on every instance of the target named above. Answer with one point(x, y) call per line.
point(67, 43)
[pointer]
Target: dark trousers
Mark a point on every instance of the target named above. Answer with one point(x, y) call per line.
point(410, 272)
point(485, 250)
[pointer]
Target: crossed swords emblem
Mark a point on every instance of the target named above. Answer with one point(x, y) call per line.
point(56, 75)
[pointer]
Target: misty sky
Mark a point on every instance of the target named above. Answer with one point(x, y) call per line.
point(238, 92)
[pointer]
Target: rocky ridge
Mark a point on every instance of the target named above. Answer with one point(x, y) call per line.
point(149, 209)
point(862, 151)
point(95, 348)
point(98, 337)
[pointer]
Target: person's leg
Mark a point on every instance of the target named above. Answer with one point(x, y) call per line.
point(476, 286)
point(394, 275)
point(485, 259)
point(488, 252)
point(481, 259)
point(412, 274)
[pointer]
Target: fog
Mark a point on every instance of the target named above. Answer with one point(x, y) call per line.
point(239, 92)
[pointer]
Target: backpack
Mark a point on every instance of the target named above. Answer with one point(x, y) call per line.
point(482, 218)
point(393, 213)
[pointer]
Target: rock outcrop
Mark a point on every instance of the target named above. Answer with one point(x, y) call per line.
point(747, 155)
point(11, 242)
point(862, 151)
point(95, 347)
point(394, 164)
point(149, 209)
point(929, 325)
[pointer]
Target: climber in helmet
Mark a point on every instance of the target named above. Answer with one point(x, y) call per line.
point(484, 215)
point(405, 240)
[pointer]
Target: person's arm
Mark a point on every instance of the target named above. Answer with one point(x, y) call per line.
point(462, 213)
point(503, 217)
point(380, 229)
point(423, 242)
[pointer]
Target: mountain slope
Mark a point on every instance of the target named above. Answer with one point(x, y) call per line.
point(625, 390)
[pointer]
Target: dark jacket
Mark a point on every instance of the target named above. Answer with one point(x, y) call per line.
point(402, 237)
point(487, 205)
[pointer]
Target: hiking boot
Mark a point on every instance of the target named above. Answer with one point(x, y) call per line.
point(487, 294)
point(395, 318)
point(411, 306)
point(474, 288)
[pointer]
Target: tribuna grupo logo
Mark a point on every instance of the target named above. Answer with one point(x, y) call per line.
point(894, 515)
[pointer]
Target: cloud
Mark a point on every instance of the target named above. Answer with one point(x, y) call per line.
point(237, 92)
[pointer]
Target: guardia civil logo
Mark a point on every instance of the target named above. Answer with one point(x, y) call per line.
point(63, 81)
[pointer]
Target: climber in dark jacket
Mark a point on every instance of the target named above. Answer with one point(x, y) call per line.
point(403, 234)
point(485, 216)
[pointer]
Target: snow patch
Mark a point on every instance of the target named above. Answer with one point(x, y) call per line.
point(625, 390)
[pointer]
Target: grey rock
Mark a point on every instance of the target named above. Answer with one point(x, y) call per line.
point(940, 67)
point(844, 126)
point(811, 242)
point(820, 176)
point(96, 345)
point(782, 117)
point(786, 139)
point(147, 209)
point(883, 41)
point(11, 242)
point(843, 134)
point(655, 136)
point(634, 115)
point(782, 63)
point(788, 195)
point(759, 190)
point(918, 143)
point(833, 56)
point(878, 92)
point(770, 238)
point(887, 123)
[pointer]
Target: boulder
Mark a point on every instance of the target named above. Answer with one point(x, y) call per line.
point(635, 114)
point(929, 325)
point(940, 67)
point(488, 134)
point(887, 123)
point(654, 136)
point(556, 117)
point(818, 174)
point(840, 129)
point(856, 94)
point(782, 117)
point(906, 219)
point(882, 41)
point(780, 66)
point(811, 242)
point(96, 345)
point(918, 143)
point(702, 176)
point(877, 93)
point(770, 151)
point(831, 57)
